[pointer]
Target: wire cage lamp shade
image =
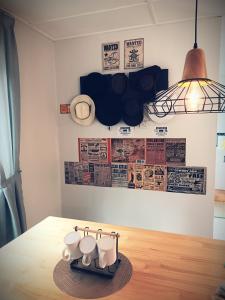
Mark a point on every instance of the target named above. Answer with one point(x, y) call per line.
point(195, 93)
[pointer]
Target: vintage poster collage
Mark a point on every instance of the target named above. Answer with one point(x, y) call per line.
point(157, 164)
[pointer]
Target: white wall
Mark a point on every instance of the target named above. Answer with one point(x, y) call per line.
point(39, 133)
point(220, 153)
point(165, 45)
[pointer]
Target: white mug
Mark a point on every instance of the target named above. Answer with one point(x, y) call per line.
point(88, 247)
point(72, 250)
point(106, 251)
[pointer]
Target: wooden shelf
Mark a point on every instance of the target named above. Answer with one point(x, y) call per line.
point(220, 195)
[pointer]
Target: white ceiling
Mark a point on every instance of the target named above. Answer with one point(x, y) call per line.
point(61, 19)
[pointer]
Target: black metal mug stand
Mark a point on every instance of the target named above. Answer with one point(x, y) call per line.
point(94, 267)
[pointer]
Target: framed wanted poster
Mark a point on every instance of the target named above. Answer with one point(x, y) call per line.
point(134, 54)
point(111, 56)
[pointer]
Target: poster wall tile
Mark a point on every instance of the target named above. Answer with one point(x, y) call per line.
point(127, 150)
point(119, 175)
point(66, 170)
point(94, 150)
point(149, 177)
point(131, 176)
point(155, 151)
point(175, 150)
point(160, 178)
point(78, 172)
point(191, 180)
point(73, 172)
point(154, 177)
point(88, 173)
point(102, 175)
point(139, 176)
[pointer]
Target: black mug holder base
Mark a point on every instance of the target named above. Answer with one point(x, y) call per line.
point(94, 268)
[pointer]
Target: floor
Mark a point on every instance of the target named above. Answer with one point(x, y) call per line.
point(219, 221)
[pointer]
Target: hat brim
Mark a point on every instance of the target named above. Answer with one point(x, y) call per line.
point(106, 119)
point(90, 119)
point(133, 121)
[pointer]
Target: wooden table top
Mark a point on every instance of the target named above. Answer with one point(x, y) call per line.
point(165, 265)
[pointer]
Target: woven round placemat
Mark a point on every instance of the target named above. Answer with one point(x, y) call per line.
point(88, 285)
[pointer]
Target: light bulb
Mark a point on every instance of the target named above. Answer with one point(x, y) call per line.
point(194, 100)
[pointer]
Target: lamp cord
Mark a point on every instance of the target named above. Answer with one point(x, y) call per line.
point(196, 16)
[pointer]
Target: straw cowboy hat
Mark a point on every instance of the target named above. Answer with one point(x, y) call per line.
point(82, 109)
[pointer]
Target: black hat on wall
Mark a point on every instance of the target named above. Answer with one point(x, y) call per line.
point(133, 109)
point(162, 83)
point(109, 109)
point(144, 81)
point(119, 82)
point(94, 84)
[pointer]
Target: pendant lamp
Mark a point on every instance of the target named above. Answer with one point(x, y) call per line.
point(195, 93)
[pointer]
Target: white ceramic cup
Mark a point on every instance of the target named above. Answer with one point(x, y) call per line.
point(72, 250)
point(106, 251)
point(88, 247)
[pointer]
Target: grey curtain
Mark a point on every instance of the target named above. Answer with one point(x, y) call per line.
point(12, 214)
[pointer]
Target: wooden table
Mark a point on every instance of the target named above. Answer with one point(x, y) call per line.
point(165, 266)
